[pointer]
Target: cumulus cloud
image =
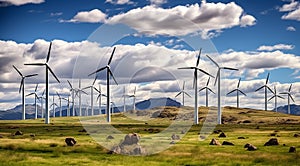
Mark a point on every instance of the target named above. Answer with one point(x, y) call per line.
point(276, 47)
point(92, 16)
point(289, 7)
point(19, 2)
point(158, 2)
point(291, 28)
point(293, 9)
point(119, 2)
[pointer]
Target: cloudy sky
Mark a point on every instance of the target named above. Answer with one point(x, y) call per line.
point(152, 38)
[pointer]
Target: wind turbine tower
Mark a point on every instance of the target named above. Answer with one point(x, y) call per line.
point(266, 91)
point(206, 88)
point(35, 97)
point(289, 96)
point(275, 95)
point(238, 91)
point(183, 92)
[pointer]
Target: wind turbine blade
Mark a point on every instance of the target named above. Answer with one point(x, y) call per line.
point(36, 87)
point(35, 64)
point(207, 81)
point(195, 77)
point(70, 84)
point(178, 94)
point(242, 93)
point(18, 71)
point(94, 80)
point(231, 92)
point(48, 67)
point(97, 90)
point(111, 56)
point(267, 78)
point(280, 97)
point(186, 68)
point(202, 89)
point(31, 75)
point(217, 77)
point(58, 95)
point(98, 70)
point(290, 88)
point(30, 94)
point(211, 91)
point(134, 90)
point(198, 59)
point(270, 89)
point(230, 68)
point(284, 93)
point(213, 61)
point(86, 87)
point(48, 55)
point(259, 88)
point(291, 97)
point(22, 84)
point(43, 93)
point(271, 98)
point(205, 72)
point(239, 83)
point(113, 76)
point(275, 90)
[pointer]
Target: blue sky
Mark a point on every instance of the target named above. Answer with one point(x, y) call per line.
point(269, 28)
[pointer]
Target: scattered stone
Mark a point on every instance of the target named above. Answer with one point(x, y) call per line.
point(246, 121)
point(82, 131)
point(173, 142)
point(292, 149)
point(217, 131)
point(150, 130)
point(18, 132)
point(296, 135)
point(257, 127)
point(250, 147)
point(283, 144)
point(115, 150)
point(271, 142)
point(70, 141)
point(203, 137)
point(214, 142)
point(1, 136)
point(129, 146)
point(222, 135)
point(32, 135)
point(241, 138)
point(182, 132)
point(175, 137)
point(110, 137)
point(273, 134)
point(227, 143)
point(131, 139)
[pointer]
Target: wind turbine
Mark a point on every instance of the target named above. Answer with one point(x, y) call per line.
point(47, 67)
point(266, 90)
point(238, 91)
point(22, 86)
point(206, 88)
point(108, 74)
point(289, 96)
point(73, 97)
point(124, 99)
point(275, 95)
point(35, 97)
point(78, 93)
point(134, 97)
point(218, 78)
point(41, 98)
point(182, 92)
point(69, 110)
point(53, 104)
point(60, 108)
point(195, 85)
point(99, 98)
point(92, 87)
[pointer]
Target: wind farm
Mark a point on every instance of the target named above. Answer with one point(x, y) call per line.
point(122, 82)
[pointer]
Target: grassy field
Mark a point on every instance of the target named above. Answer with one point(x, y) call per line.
point(43, 144)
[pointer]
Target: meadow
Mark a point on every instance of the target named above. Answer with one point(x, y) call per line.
point(43, 144)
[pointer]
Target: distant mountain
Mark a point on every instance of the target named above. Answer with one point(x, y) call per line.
point(16, 113)
point(295, 109)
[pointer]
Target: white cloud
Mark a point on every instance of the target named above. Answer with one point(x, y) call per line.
point(119, 2)
point(158, 2)
point(289, 7)
point(20, 2)
point(56, 14)
point(208, 19)
point(291, 28)
point(93, 16)
point(293, 10)
point(294, 15)
point(276, 47)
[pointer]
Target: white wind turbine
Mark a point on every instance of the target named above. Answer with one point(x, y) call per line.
point(53, 105)
point(289, 96)
point(266, 91)
point(47, 67)
point(218, 78)
point(22, 86)
point(78, 93)
point(183, 92)
point(35, 97)
point(275, 95)
point(99, 97)
point(73, 97)
point(92, 87)
point(41, 98)
point(206, 88)
point(134, 97)
point(238, 91)
point(108, 74)
point(60, 107)
point(68, 101)
point(195, 85)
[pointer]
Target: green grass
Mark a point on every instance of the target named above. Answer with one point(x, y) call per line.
point(47, 147)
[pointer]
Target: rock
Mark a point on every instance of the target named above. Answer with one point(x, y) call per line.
point(175, 137)
point(273, 134)
point(115, 150)
point(18, 132)
point(137, 151)
point(292, 149)
point(172, 142)
point(182, 132)
point(271, 142)
point(257, 127)
point(214, 142)
point(296, 135)
point(70, 141)
point(82, 131)
point(227, 143)
point(222, 135)
point(131, 139)
point(241, 138)
point(32, 135)
point(217, 131)
point(246, 121)
point(250, 147)
point(110, 137)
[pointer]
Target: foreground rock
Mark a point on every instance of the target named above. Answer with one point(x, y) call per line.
point(227, 143)
point(130, 146)
point(222, 135)
point(292, 149)
point(175, 137)
point(18, 132)
point(250, 147)
point(70, 141)
point(214, 142)
point(272, 142)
